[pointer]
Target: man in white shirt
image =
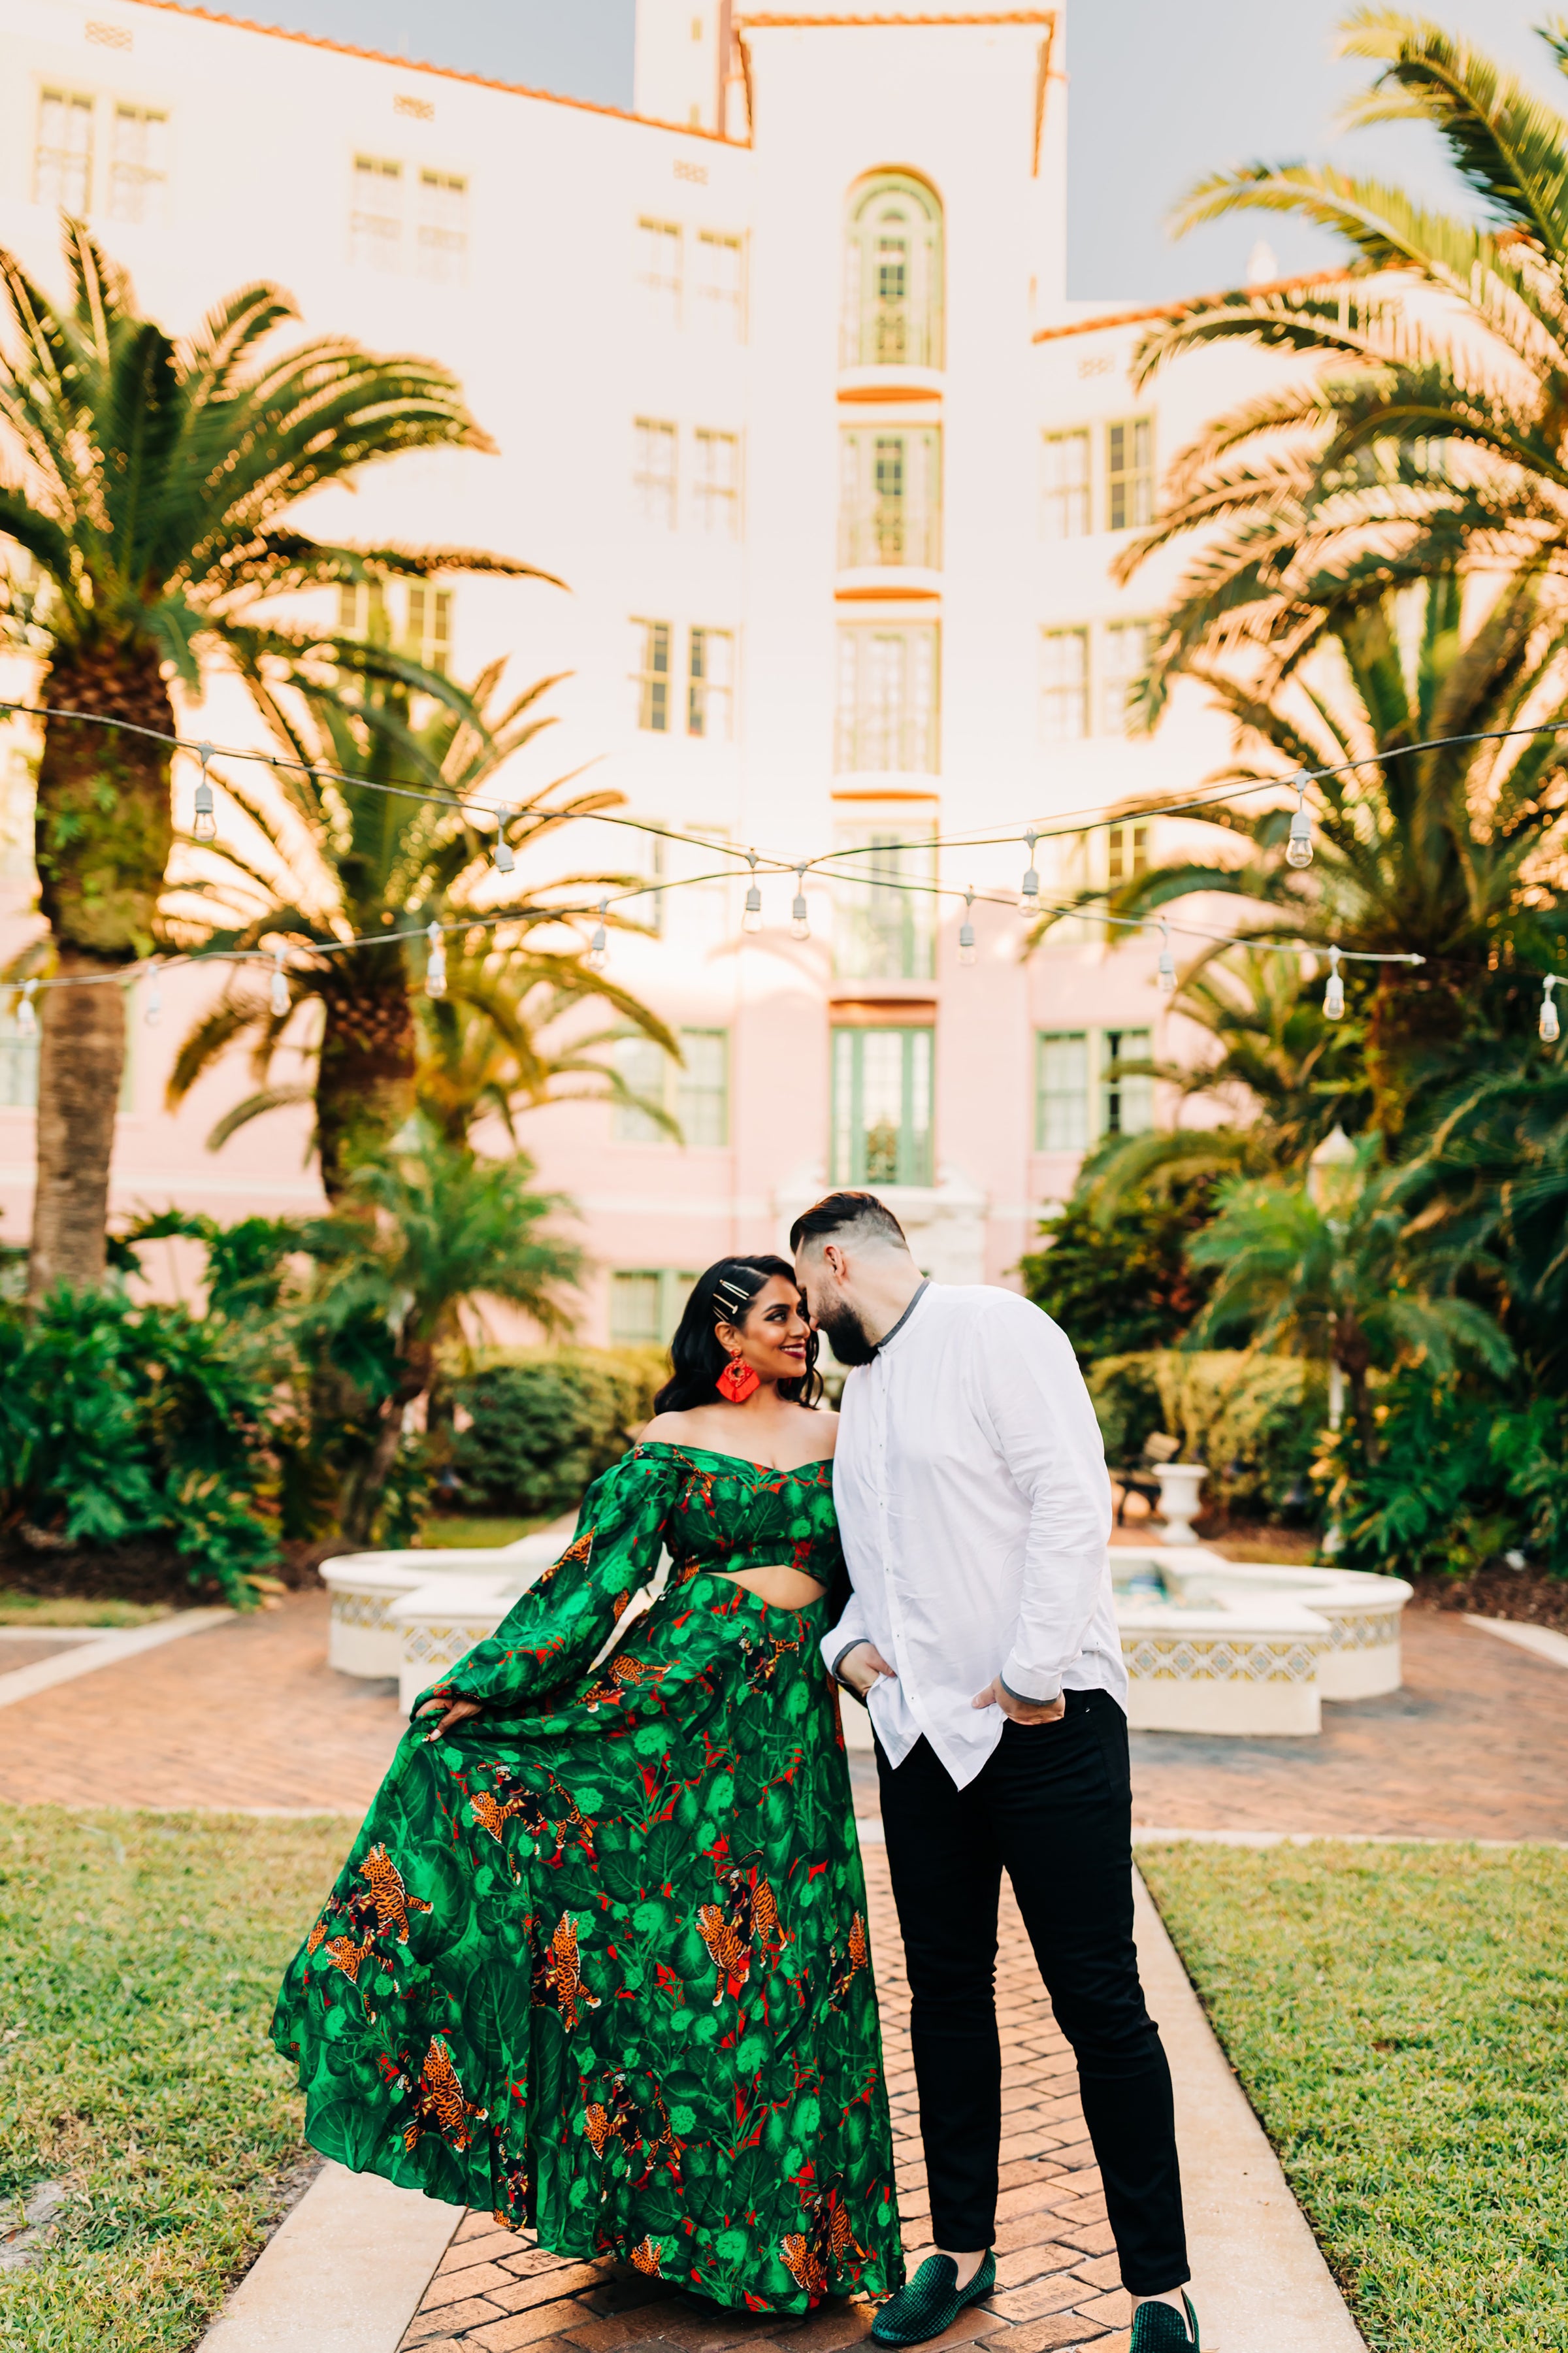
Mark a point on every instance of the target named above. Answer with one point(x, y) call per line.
point(974, 1508)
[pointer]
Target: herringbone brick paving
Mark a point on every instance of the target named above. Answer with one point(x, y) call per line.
point(1057, 2280)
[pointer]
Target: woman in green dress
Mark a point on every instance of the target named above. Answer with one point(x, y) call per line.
point(597, 1960)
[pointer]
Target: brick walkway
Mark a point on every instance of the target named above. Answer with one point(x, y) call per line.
point(1057, 2279)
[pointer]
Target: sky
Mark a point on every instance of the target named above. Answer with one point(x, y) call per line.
point(1159, 95)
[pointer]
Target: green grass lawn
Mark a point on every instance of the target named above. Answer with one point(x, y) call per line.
point(66, 1610)
point(1399, 2020)
point(139, 1958)
point(458, 1533)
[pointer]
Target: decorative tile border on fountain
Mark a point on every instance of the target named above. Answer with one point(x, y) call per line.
point(363, 1639)
point(439, 1622)
point(1213, 1645)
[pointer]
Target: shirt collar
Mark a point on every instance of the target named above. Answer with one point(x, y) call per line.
point(903, 1319)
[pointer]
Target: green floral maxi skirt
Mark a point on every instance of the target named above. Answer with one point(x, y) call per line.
point(598, 1960)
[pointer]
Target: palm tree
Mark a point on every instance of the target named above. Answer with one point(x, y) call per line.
point(428, 1231)
point(151, 485)
point(335, 862)
point(1426, 847)
point(1437, 423)
point(1324, 1269)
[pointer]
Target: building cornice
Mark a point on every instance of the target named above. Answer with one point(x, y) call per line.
point(440, 73)
point(1194, 302)
point(1001, 16)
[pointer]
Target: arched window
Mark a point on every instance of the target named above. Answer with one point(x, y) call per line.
point(892, 275)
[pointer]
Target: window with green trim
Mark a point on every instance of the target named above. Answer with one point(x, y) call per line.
point(892, 275)
point(884, 906)
point(647, 1303)
point(695, 1092)
point(1126, 1098)
point(1129, 473)
point(1061, 1091)
point(882, 1106)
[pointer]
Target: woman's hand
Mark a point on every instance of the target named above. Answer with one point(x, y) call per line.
point(457, 1711)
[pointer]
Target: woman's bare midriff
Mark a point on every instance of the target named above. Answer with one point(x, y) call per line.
point(781, 1588)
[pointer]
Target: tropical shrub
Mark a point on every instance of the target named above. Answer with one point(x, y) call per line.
point(1119, 1282)
point(119, 1422)
point(1459, 1478)
point(544, 1425)
point(1256, 1420)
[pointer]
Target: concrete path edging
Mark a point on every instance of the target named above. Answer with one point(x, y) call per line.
point(85, 1658)
point(344, 2274)
point(1260, 2280)
point(1545, 1640)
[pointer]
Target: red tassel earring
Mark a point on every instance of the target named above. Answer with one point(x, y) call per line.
point(738, 1381)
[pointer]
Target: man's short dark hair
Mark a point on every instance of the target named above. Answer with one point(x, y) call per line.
point(840, 1213)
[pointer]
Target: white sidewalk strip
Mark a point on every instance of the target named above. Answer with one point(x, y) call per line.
point(1260, 2280)
point(106, 1650)
point(1542, 1640)
point(345, 2273)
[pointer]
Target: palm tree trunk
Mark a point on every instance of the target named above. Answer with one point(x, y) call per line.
point(365, 1081)
point(103, 835)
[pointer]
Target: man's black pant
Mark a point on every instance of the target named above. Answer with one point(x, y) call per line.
point(1053, 1807)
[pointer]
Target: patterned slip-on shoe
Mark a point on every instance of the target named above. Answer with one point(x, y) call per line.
point(932, 2301)
point(1159, 2328)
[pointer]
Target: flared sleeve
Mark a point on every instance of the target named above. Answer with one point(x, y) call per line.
point(555, 1629)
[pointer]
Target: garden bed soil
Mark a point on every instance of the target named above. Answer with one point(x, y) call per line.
point(149, 1573)
point(1528, 1596)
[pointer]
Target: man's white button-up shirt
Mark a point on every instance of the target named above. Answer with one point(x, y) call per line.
point(975, 1511)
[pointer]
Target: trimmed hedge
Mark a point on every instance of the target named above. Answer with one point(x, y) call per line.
point(544, 1425)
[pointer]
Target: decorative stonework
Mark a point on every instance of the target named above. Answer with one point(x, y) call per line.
point(369, 1610)
point(1362, 1630)
point(1190, 1658)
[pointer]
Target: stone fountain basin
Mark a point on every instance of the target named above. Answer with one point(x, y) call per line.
point(363, 1640)
point(1249, 1648)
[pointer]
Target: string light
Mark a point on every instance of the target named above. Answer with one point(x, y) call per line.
point(800, 913)
point(967, 929)
point(205, 824)
point(278, 995)
point(1167, 971)
point(1550, 1026)
point(751, 921)
point(1030, 889)
point(1334, 993)
point(1299, 849)
point(435, 961)
point(154, 1008)
point(502, 855)
point(27, 1019)
point(598, 955)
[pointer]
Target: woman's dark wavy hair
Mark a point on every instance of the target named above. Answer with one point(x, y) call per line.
point(695, 1353)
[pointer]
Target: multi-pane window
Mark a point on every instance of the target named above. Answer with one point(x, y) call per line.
point(886, 702)
point(889, 495)
point(1061, 1091)
point(647, 1303)
point(653, 471)
point(1064, 485)
point(1123, 658)
point(1064, 685)
point(1126, 1098)
point(426, 634)
point(375, 223)
point(139, 164)
point(1128, 473)
point(62, 158)
point(658, 268)
point(715, 482)
point(721, 287)
point(1126, 853)
point(695, 1092)
point(884, 903)
point(362, 609)
point(429, 635)
point(651, 676)
point(881, 1107)
point(711, 684)
point(441, 246)
point(18, 1065)
point(892, 275)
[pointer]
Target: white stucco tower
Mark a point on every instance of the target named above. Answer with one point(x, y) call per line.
point(682, 49)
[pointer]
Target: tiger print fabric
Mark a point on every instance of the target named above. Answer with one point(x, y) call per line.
point(597, 1960)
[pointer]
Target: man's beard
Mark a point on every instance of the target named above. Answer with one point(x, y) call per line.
point(847, 1335)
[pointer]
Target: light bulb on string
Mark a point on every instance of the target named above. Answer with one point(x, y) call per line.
point(435, 961)
point(1029, 888)
point(27, 1019)
point(1299, 849)
point(751, 921)
point(1550, 1026)
point(966, 930)
point(799, 914)
point(502, 855)
point(153, 1012)
point(1167, 967)
point(1335, 991)
point(204, 825)
point(598, 955)
point(277, 996)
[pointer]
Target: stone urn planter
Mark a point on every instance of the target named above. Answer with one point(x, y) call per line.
point(1181, 1487)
